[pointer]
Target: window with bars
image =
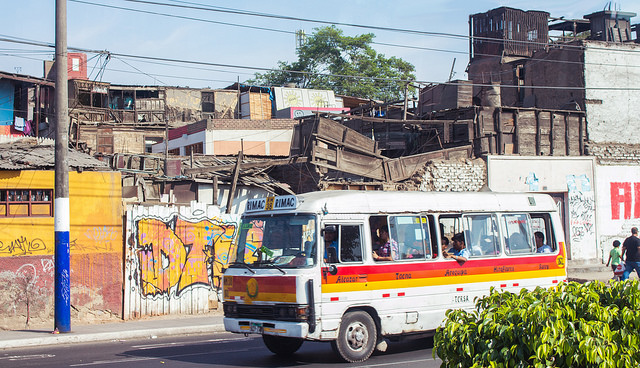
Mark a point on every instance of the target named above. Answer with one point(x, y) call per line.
point(26, 202)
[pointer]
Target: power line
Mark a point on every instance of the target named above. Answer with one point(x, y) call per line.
point(197, 6)
point(244, 67)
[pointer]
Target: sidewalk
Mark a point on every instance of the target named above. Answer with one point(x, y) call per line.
point(148, 328)
point(181, 325)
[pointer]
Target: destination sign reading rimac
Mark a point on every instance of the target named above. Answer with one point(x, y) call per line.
point(288, 202)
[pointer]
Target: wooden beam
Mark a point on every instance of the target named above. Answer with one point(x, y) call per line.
point(247, 165)
point(215, 190)
point(581, 123)
point(234, 182)
point(538, 131)
point(497, 114)
point(551, 122)
point(567, 137)
point(516, 133)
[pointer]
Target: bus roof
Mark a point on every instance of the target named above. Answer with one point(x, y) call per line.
point(414, 202)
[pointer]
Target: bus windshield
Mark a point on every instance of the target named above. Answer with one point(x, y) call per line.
point(276, 241)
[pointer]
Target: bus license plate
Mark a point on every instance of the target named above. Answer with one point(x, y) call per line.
point(255, 328)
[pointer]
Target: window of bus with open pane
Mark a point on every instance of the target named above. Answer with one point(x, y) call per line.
point(518, 236)
point(481, 235)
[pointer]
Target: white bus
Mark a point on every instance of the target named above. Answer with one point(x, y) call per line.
point(313, 266)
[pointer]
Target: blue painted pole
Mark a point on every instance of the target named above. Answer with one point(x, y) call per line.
point(62, 289)
point(62, 280)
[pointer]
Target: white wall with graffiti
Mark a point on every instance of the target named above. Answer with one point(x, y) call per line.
point(618, 189)
point(582, 218)
point(174, 257)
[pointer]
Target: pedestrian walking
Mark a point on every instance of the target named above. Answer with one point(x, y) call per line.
point(615, 257)
point(631, 254)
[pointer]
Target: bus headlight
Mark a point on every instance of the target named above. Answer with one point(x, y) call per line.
point(230, 309)
point(291, 312)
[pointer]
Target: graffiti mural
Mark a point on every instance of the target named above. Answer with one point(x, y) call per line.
point(582, 217)
point(175, 257)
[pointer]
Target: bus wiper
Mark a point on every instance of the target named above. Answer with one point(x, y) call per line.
point(270, 263)
point(243, 265)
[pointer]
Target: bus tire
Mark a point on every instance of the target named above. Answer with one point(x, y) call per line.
point(357, 337)
point(282, 346)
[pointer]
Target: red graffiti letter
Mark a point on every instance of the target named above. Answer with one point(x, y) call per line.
point(617, 198)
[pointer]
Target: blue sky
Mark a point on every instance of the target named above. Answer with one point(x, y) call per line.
point(127, 32)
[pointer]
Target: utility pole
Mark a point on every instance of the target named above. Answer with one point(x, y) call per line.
point(61, 201)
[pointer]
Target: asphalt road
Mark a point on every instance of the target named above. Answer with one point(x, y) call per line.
point(211, 350)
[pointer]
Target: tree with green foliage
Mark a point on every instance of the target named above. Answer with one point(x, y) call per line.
point(572, 325)
point(347, 65)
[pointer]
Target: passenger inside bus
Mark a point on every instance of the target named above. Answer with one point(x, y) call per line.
point(388, 250)
point(459, 251)
point(330, 245)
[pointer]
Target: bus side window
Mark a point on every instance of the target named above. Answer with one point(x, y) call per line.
point(350, 243)
point(518, 234)
point(449, 226)
point(412, 235)
point(542, 223)
point(482, 235)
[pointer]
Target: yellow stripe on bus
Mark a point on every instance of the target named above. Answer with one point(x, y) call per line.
point(439, 281)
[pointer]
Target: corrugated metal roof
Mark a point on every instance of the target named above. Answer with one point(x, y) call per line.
point(28, 154)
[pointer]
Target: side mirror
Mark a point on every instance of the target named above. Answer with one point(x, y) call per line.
point(333, 269)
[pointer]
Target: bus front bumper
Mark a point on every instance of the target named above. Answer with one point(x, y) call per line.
point(256, 326)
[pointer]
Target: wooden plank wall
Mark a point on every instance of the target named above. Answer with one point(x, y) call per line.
point(529, 132)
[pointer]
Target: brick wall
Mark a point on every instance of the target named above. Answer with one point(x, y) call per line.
point(452, 176)
point(223, 124)
point(614, 154)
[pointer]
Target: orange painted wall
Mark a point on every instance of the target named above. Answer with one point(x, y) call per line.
point(27, 243)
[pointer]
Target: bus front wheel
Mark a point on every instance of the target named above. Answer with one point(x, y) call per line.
point(282, 346)
point(356, 338)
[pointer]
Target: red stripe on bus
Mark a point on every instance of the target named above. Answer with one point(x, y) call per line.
point(459, 289)
point(334, 298)
point(400, 294)
point(555, 281)
point(503, 285)
point(516, 284)
point(386, 295)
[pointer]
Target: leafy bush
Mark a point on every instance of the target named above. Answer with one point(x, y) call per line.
point(571, 325)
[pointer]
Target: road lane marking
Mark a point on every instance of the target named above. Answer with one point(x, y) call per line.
point(391, 364)
point(132, 359)
point(27, 357)
point(160, 345)
point(112, 361)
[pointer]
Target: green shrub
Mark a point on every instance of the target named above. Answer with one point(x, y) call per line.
point(571, 325)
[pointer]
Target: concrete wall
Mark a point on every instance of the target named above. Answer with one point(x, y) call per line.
point(27, 248)
point(270, 137)
point(612, 114)
point(184, 98)
point(254, 142)
point(173, 258)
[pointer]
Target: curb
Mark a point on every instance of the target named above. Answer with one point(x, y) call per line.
point(68, 338)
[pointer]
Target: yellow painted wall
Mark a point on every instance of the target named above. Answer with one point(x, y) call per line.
point(95, 206)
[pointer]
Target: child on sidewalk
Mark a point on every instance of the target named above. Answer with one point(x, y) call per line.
point(615, 258)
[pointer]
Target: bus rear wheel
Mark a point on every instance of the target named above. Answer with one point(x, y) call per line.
point(356, 338)
point(282, 346)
